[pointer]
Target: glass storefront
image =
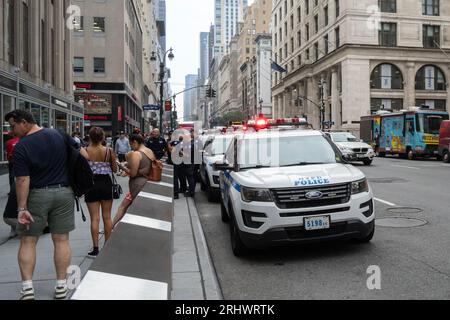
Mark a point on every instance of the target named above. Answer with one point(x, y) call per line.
point(61, 121)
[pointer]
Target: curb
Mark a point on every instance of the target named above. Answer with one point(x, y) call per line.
point(211, 284)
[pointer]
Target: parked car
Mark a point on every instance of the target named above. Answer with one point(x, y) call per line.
point(353, 148)
point(444, 141)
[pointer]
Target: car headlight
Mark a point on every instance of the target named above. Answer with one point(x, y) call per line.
point(259, 195)
point(360, 186)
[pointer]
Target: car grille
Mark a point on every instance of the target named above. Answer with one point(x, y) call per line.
point(361, 150)
point(293, 198)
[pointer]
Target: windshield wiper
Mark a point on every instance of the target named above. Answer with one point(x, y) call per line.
point(256, 167)
point(303, 164)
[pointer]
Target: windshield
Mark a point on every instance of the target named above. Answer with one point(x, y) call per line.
point(343, 137)
point(286, 151)
point(431, 123)
point(220, 145)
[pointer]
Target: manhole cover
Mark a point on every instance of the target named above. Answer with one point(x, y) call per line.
point(387, 180)
point(403, 210)
point(398, 222)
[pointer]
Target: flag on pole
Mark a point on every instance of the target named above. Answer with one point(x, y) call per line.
point(277, 67)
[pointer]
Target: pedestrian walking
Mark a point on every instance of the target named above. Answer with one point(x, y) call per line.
point(102, 161)
point(122, 147)
point(139, 163)
point(43, 196)
point(157, 144)
point(188, 166)
point(76, 138)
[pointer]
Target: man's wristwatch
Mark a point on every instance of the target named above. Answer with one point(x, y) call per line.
point(19, 210)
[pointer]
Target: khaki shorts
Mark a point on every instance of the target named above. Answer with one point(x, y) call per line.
point(54, 207)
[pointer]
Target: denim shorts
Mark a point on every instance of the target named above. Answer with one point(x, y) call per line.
point(54, 207)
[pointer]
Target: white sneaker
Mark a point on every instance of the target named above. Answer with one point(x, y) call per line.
point(27, 294)
point(61, 293)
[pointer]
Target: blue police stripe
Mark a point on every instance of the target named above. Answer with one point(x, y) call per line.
point(235, 185)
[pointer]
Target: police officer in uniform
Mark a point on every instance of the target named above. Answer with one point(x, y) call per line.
point(157, 144)
point(176, 157)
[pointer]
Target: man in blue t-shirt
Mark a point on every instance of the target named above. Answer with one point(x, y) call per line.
point(43, 197)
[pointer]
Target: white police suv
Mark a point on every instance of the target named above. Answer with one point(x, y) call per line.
point(214, 148)
point(291, 187)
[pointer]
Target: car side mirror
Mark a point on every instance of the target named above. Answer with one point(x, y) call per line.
point(346, 157)
point(221, 166)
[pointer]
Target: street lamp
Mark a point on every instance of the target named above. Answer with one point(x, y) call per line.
point(162, 72)
point(16, 70)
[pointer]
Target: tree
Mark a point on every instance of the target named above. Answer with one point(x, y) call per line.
point(232, 116)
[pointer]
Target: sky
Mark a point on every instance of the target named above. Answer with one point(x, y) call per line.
point(185, 20)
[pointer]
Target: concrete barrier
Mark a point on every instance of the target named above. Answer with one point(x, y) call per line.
point(136, 262)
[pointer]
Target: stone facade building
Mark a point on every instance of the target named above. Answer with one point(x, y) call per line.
point(36, 65)
point(370, 55)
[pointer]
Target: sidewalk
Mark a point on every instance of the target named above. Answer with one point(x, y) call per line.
point(44, 275)
point(193, 274)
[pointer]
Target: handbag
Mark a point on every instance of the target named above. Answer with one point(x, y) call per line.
point(156, 171)
point(116, 187)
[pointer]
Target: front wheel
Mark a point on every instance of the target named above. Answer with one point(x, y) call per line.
point(367, 162)
point(446, 157)
point(223, 212)
point(411, 155)
point(366, 239)
point(237, 246)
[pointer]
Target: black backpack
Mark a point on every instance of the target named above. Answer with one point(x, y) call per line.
point(81, 178)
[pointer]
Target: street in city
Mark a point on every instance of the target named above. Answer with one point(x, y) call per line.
point(413, 260)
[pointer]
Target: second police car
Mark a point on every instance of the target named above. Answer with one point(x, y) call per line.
point(214, 148)
point(292, 186)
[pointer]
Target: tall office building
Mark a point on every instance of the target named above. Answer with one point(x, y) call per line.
point(160, 12)
point(36, 65)
point(204, 56)
point(114, 76)
point(227, 15)
point(190, 97)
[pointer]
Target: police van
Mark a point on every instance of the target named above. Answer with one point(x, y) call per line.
point(214, 149)
point(293, 186)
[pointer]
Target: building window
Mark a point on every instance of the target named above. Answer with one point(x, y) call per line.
point(337, 37)
point(9, 30)
point(432, 104)
point(285, 50)
point(307, 32)
point(25, 38)
point(292, 22)
point(430, 7)
point(292, 44)
point(385, 104)
point(388, 34)
point(299, 38)
point(299, 60)
point(316, 51)
point(78, 24)
point(326, 44)
point(78, 64)
point(338, 9)
point(316, 24)
point(388, 5)
point(99, 65)
point(325, 14)
point(386, 76)
point(99, 24)
point(307, 55)
point(299, 14)
point(307, 7)
point(430, 78)
point(431, 36)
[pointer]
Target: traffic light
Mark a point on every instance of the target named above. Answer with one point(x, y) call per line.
point(213, 93)
point(209, 92)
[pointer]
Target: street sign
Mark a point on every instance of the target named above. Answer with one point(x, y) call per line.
point(150, 107)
